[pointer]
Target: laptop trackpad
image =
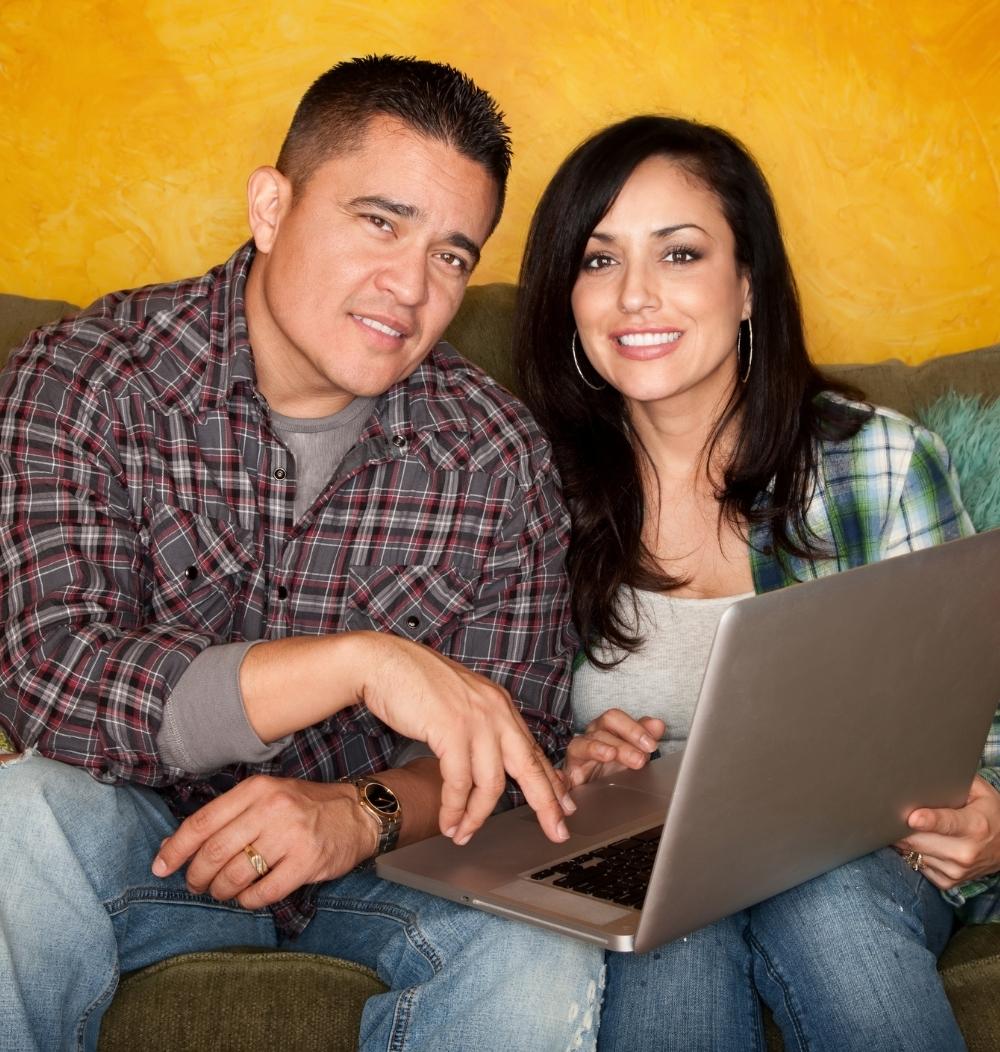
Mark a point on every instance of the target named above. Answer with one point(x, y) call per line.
point(601, 807)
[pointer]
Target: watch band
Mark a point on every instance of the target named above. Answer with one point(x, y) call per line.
point(376, 799)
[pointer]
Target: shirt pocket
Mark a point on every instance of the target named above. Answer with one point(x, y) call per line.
point(199, 566)
point(421, 602)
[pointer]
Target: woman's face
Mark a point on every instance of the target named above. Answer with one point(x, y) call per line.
point(660, 296)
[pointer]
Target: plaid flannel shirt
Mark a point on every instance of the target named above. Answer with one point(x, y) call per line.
point(888, 490)
point(146, 514)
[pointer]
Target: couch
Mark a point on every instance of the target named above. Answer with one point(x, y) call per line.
point(243, 999)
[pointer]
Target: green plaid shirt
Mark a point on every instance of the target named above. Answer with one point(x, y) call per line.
point(888, 490)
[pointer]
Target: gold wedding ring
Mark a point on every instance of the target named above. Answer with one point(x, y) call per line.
point(256, 860)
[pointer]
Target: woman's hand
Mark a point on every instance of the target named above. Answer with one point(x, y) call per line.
point(955, 845)
point(611, 743)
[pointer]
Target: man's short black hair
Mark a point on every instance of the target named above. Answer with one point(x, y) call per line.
point(432, 98)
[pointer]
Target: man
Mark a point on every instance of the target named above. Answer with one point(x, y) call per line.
point(261, 536)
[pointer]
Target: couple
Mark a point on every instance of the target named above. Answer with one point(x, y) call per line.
point(283, 584)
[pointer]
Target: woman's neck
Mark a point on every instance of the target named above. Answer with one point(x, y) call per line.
point(678, 442)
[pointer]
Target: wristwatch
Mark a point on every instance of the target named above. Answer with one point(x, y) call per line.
point(379, 801)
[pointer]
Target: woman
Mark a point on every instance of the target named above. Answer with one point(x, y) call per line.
point(705, 459)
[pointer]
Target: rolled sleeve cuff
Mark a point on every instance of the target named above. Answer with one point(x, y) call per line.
point(205, 724)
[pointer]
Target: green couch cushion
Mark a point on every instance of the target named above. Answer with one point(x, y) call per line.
point(970, 968)
point(20, 314)
point(240, 999)
point(907, 388)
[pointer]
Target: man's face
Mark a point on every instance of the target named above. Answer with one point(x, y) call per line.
point(356, 279)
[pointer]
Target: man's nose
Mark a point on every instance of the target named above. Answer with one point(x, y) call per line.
point(404, 276)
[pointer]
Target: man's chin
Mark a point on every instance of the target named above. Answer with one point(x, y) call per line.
point(377, 382)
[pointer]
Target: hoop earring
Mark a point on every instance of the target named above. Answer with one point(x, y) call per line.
point(739, 337)
point(576, 362)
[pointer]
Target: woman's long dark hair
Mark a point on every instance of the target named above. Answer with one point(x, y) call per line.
point(780, 418)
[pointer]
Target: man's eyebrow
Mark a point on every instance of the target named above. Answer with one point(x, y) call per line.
point(396, 208)
point(404, 211)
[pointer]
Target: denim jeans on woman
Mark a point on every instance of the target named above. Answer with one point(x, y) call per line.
point(846, 962)
point(79, 906)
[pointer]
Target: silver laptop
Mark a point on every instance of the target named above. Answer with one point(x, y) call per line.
point(828, 711)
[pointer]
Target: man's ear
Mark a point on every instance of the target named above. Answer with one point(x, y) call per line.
point(269, 196)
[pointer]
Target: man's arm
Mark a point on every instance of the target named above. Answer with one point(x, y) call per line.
point(81, 677)
point(468, 721)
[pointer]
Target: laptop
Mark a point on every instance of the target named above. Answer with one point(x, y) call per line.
point(828, 711)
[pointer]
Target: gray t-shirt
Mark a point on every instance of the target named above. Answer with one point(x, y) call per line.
point(664, 676)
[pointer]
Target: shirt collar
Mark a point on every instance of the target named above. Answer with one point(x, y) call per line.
point(433, 398)
point(229, 359)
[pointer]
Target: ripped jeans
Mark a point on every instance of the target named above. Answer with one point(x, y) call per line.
point(79, 905)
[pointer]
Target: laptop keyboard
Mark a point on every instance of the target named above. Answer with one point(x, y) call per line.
point(617, 872)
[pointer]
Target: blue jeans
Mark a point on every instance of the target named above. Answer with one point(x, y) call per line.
point(845, 961)
point(79, 906)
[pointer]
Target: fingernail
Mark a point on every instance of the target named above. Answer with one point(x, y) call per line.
point(562, 830)
point(647, 743)
point(159, 867)
point(463, 839)
point(567, 804)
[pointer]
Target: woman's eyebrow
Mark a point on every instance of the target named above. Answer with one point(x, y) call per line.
point(666, 231)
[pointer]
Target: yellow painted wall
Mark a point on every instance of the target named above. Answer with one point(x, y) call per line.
point(129, 126)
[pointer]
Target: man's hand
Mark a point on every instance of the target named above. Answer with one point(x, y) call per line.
point(468, 721)
point(957, 844)
point(305, 831)
point(610, 743)
point(473, 728)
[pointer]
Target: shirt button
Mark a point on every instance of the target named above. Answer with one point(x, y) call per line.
point(191, 573)
point(412, 622)
point(398, 441)
point(279, 473)
point(282, 592)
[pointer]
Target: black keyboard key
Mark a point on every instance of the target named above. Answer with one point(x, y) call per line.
point(617, 872)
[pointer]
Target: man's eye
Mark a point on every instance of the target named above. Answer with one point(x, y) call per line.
point(380, 222)
point(456, 262)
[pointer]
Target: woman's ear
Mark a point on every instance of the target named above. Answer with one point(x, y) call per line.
point(269, 196)
point(747, 297)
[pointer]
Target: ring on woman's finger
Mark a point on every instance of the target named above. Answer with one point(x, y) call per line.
point(261, 868)
point(915, 860)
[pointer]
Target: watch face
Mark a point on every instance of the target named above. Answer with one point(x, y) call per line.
point(381, 798)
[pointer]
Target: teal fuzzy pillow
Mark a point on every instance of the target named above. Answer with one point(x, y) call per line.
point(970, 428)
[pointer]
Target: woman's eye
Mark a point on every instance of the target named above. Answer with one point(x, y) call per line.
point(680, 255)
point(598, 261)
